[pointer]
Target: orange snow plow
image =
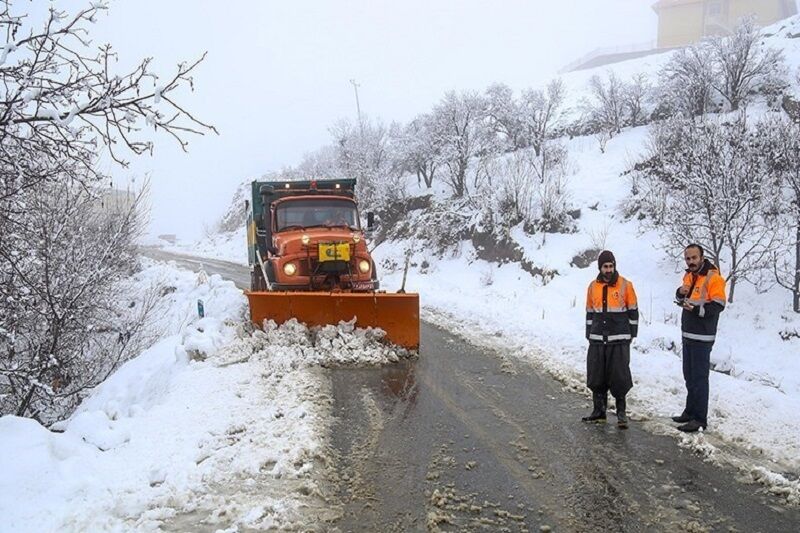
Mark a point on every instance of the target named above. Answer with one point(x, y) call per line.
point(309, 260)
point(396, 314)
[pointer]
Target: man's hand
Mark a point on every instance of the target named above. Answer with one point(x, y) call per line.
point(684, 290)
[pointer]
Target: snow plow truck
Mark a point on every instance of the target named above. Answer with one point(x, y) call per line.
point(309, 260)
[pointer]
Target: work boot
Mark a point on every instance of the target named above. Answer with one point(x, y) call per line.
point(691, 426)
point(622, 416)
point(682, 418)
point(599, 411)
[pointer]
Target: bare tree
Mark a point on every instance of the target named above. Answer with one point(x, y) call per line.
point(365, 152)
point(513, 196)
point(541, 113)
point(63, 326)
point(744, 64)
point(782, 139)
point(61, 251)
point(60, 99)
point(463, 134)
point(505, 116)
point(710, 183)
point(551, 168)
point(607, 107)
point(635, 96)
point(419, 148)
point(687, 81)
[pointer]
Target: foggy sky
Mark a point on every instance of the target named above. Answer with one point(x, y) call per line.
point(277, 73)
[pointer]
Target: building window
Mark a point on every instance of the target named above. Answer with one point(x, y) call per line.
point(714, 9)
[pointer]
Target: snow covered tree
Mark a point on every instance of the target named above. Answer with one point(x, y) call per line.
point(551, 168)
point(686, 83)
point(513, 196)
point(62, 102)
point(61, 99)
point(419, 149)
point(743, 64)
point(541, 113)
point(606, 109)
point(528, 121)
point(365, 152)
point(64, 327)
point(710, 183)
point(782, 140)
point(635, 98)
point(505, 116)
point(463, 134)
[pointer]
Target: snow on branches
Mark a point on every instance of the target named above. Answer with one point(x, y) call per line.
point(62, 100)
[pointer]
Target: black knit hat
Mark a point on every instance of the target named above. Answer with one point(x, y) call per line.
point(606, 257)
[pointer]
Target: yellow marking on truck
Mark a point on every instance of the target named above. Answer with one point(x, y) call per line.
point(334, 252)
point(251, 233)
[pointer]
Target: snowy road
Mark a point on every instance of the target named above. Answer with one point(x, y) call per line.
point(463, 440)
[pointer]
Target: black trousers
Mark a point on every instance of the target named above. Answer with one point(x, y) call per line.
point(696, 367)
point(608, 368)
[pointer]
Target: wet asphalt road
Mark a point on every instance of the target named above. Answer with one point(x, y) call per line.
point(463, 440)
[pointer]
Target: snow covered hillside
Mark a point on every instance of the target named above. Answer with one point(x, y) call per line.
point(214, 425)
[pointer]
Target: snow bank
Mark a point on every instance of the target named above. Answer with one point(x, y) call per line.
point(214, 425)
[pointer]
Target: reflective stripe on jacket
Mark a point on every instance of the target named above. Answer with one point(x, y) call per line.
point(612, 312)
point(707, 295)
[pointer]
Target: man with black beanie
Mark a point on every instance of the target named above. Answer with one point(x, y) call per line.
point(612, 322)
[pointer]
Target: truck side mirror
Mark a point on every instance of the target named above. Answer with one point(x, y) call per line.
point(370, 221)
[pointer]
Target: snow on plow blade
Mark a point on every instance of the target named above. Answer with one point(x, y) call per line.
point(396, 314)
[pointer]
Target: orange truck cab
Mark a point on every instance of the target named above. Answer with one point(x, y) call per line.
point(307, 236)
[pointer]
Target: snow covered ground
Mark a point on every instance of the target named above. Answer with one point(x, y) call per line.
point(214, 425)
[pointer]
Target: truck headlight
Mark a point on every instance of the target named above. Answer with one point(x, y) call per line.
point(363, 266)
point(305, 239)
point(290, 269)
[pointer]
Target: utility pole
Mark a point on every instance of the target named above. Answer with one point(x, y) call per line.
point(358, 106)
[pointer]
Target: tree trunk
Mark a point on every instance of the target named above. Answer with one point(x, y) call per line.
point(734, 275)
point(796, 291)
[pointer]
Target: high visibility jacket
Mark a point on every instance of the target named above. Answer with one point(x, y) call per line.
point(707, 295)
point(612, 312)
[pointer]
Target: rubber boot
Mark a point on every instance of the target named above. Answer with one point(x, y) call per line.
point(622, 415)
point(599, 411)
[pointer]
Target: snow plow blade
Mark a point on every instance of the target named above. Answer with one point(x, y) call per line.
point(395, 313)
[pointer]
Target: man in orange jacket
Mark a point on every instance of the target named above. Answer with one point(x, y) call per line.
point(612, 322)
point(702, 297)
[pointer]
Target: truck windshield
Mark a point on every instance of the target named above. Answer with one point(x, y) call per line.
point(322, 212)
